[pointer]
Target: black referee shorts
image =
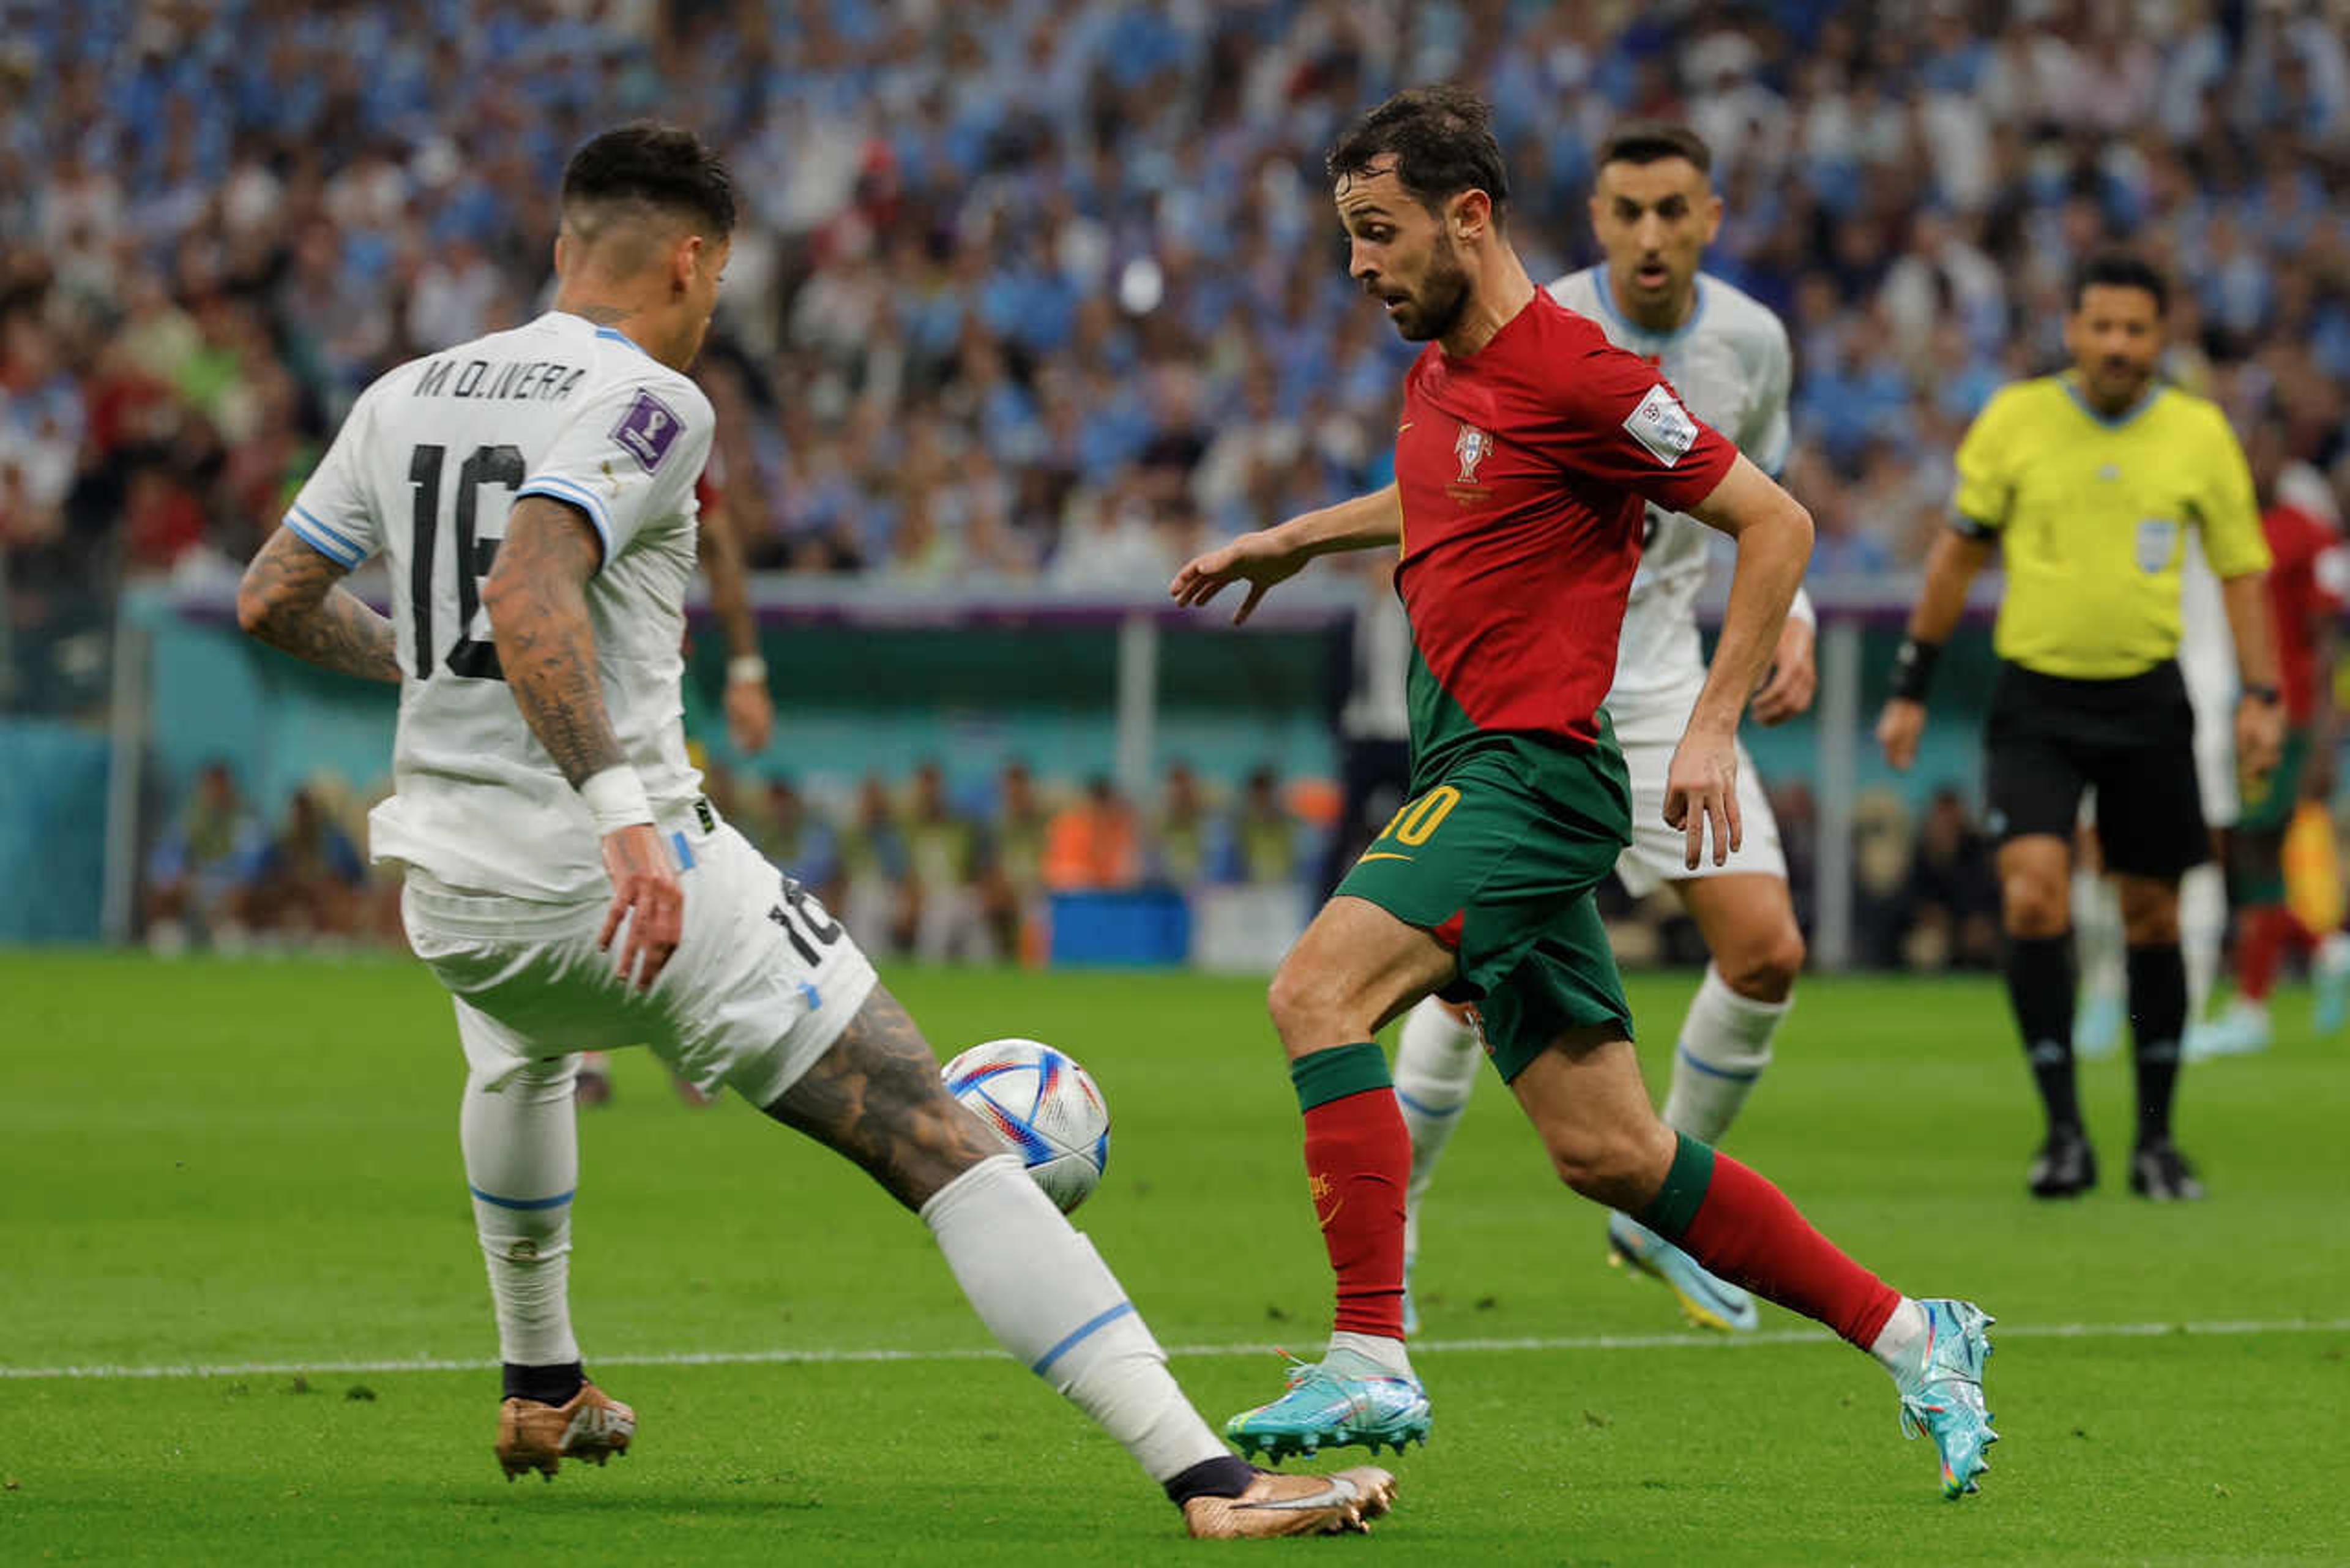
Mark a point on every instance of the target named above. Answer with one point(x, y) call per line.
point(2048, 739)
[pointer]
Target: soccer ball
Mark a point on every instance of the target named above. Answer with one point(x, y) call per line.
point(1045, 1107)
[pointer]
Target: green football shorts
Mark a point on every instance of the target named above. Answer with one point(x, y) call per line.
point(2268, 804)
point(1498, 856)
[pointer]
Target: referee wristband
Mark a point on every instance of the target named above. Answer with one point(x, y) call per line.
point(616, 798)
point(1913, 669)
point(746, 668)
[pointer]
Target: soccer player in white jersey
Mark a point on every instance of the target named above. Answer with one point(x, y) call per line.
point(1654, 210)
point(533, 495)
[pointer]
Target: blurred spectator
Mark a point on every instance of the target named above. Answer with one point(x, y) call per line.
point(1179, 834)
point(310, 881)
point(1264, 835)
point(942, 871)
point(800, 841)
point(1092, 845)
point(204, 866)
point(873, 869)
point(1951, 918)
point(1012, 892)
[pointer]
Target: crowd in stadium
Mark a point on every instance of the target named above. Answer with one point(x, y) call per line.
point(1050, 287)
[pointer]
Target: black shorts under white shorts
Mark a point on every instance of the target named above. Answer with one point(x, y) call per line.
point(2048, 739)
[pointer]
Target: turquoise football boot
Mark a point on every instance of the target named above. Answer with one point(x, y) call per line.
point(1942, 1395)
point(1706, 1302)
point(1344, 1401)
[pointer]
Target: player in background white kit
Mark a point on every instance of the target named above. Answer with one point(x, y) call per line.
point(532, 493)
point(1654, 210)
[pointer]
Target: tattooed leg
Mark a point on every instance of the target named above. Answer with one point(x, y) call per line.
point(1039, 1286)
point(876, 1096)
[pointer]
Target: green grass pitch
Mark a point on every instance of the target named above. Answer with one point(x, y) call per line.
point(254, 1165)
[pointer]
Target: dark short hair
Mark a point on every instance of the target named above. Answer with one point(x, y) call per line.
point(1653, 141)
point(662, 166)
point(1442, 141)
point(2122, 269)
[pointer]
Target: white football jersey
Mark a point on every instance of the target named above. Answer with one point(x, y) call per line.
point(423, 473)
point(1730, 363)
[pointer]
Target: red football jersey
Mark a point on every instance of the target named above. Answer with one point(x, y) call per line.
point(1521, 470)
point(2308, 578)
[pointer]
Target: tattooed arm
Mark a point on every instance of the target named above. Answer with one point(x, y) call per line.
point(538, 598)
point(291, 597)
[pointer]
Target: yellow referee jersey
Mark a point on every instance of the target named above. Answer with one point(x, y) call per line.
point(2091, 516)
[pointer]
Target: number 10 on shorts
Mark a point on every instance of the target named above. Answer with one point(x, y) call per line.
point(1416, 821)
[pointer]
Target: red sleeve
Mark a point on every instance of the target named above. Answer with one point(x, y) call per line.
point(1624, 424)
point(705, 490)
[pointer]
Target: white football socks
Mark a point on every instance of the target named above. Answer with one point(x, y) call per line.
point(1725, 1044)
point(522, 1160)
point(1387, 1355)
point(1435, 1068)
point(1049, 1299)
point(1897, 1345)
point(2202, 932)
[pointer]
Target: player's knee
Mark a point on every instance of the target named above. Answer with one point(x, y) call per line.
point(1608, 1165)
point(2150, 915)
point(1764, 968)
point(1306, 1011)
point(2034, 906)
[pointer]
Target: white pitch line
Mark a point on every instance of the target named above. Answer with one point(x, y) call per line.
point(2226, 1327)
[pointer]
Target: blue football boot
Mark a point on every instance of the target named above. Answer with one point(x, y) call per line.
point(1706, 1302)
point(1942, 1393)
point(1344, 1400)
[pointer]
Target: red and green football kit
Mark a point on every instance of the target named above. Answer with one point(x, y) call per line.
point(1522, 470)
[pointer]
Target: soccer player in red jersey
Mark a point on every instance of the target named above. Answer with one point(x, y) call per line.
point(2308, 584)
point(1526, 448)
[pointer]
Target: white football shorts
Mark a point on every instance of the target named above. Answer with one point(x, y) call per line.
point(762, 982)
point(1648, 730)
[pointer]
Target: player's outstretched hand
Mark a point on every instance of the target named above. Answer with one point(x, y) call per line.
point(1795, 676)
point(1259, 559)
point(1898, 729)
point(1701, 788)
point(646, 895)
point(750, 715)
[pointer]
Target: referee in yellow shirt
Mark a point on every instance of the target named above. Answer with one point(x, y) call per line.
point(2086, 483)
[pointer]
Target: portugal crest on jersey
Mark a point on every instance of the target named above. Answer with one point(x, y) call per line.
point(1473, 447)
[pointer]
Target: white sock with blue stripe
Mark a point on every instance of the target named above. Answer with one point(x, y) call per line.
point(1049, 1299)
point(522, 1160)
point(1435, 1069)
point(1725, 1044)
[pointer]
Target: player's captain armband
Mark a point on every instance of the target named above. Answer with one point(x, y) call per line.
point(616, 798)
point(1662, 425)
